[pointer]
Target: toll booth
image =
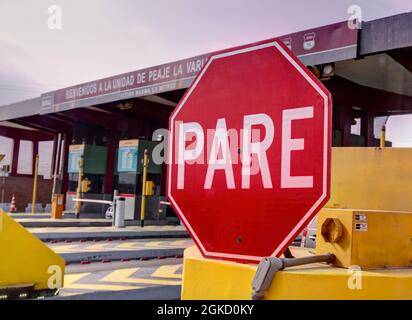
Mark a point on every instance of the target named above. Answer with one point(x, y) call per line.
point(94, 170)
point(130, 179)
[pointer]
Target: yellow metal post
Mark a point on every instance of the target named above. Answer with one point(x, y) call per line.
point(383, 137)
point(36, 172)
point(143, 204)
point(79, 187)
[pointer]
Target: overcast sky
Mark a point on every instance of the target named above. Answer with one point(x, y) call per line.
point(101, 38)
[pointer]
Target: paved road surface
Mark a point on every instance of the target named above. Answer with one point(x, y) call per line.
point(75, 252)
point(152, 279)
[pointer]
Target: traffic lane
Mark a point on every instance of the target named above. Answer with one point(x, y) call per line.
point(122, 245)
point(149, 293)
point(99, 267)
point(92, 233)
point(85, 252)
point(151, 279)
point(34, 222)
point(89, 229)
point(119, 280)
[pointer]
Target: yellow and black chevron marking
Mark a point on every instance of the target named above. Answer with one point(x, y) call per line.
point(126, 245)
point(122, 279)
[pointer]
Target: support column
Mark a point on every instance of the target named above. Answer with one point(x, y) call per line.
point(54, 154)
point(65, 176)
point(111, 156)
point(35, 152)
point(345, 122)
point(15, 159)
point(367, 128)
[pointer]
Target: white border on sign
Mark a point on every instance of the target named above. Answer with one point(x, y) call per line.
point(325, 151)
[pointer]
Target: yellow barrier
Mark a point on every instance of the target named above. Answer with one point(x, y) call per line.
point(25, 260)
point(213, 279)
point(361, 178)
point(371, 178)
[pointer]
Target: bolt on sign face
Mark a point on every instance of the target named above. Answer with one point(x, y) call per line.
point(249, 152)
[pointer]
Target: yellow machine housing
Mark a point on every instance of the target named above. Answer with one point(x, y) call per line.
point(366, 238)
point(371, 178)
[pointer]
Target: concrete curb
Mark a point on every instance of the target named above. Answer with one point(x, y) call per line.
point(21, 216)
point(150, 293)
point(40, 222)
point(62, 223)
point(62, 236)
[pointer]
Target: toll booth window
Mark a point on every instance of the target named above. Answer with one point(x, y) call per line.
point(25, 160)
point(45, 158)
point(356, 126)
point(6, 148)
point(73, 182)
point(127, 183)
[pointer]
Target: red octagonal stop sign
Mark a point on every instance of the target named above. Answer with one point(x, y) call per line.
point(249, 152)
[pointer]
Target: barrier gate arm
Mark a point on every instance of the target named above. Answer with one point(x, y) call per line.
point(94, 201)
point(268, 267)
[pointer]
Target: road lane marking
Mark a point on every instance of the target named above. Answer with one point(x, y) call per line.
point(71, 279)
point(124, 276)
point(168, 272)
